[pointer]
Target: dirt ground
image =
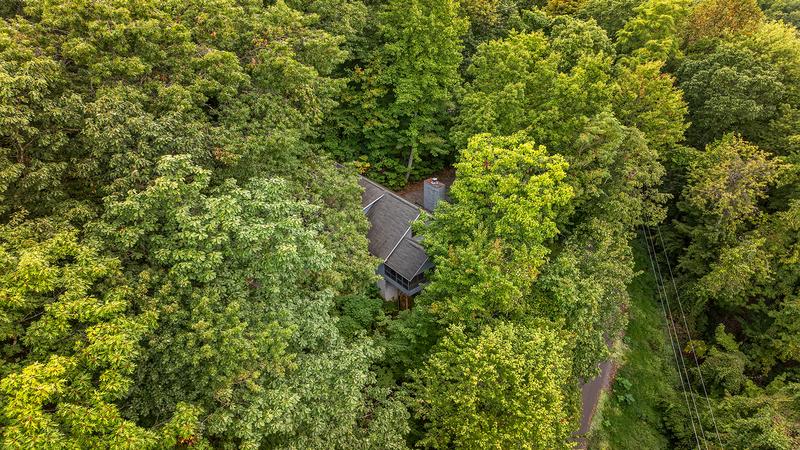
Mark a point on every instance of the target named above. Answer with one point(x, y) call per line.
point(590, 395)
point(413, 192)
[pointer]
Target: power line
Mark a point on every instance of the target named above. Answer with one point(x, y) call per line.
point(651, 242)
point(671, 341)
point(689, 335)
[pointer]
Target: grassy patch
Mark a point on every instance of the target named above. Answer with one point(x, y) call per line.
point(631, 413)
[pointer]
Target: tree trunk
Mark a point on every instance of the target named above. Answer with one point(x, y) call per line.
point(410, 164)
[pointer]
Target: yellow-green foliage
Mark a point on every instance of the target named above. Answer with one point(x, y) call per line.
point(70, 344)
point(491, 241)
point(506, 387)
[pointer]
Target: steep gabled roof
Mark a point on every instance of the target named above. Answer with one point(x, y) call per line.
point(408, 259)
point(390, 237)
point(372, 191)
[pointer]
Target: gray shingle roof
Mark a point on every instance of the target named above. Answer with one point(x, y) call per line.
point(408, 259)
point(390, 237)
point(372, 191)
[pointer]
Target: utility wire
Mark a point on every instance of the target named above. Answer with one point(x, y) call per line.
point(689, 335)
point(671, 340)
point(677, 338)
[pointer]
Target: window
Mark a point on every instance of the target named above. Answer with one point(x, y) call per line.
point(401, 280)
point(396, 277)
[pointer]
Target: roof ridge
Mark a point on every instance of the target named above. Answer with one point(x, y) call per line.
point(394, 194)
point(399, 241)
point(413, 242)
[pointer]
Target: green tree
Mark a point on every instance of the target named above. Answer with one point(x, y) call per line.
point(517, 85)
point(727, 181)
point(525, 83)
point(93, 95)
point(784, 10)
point(745, 415)
point(767, 418)
point(610, 15)
point(654, 33)
point(475, 283)
point(584, 289)
point(507, 387)
point(345, 18)
point(240, 287)
point(749, 85)
point(573, 39)
point(408, 340)
point(397, 110)
point(756, 277)
point(741, 257)
point(422, 69)
point(491, 240)
point(725, 187)
point(615, 175)
point(70, 342)
point(181, 132)
point(649, 100)
point(491, 19)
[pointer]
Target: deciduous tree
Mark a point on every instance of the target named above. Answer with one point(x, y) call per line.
point(398, 109)
point(506, 387)
point(654, 33)
point(717, 18)
point(491, 240)
point(239, 281)
point(70, 342)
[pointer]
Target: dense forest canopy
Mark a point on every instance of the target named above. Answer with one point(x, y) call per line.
point(183, 252)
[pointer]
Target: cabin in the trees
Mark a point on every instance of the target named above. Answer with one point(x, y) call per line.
point(403, 259)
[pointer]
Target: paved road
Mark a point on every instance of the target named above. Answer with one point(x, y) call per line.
point(590, 395)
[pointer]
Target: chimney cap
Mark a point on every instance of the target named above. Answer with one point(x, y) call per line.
point(433, 180)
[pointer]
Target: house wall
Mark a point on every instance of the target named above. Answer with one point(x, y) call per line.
point(388, 290)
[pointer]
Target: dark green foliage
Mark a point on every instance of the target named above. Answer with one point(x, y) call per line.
point(610, 15)
point(182, 264)
point(585, 287)
point(785, 10)
point(730, 90)
point(395, 114)
point(746, 415)
point(765, 418)
point(358, 314)
point(559, 91)
point(740, 265)
point(90, 111)
point(492, 19)
point(748, 84)
point(224, 270)
point(176, 136)
point(10, 8)
point(408, 340)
